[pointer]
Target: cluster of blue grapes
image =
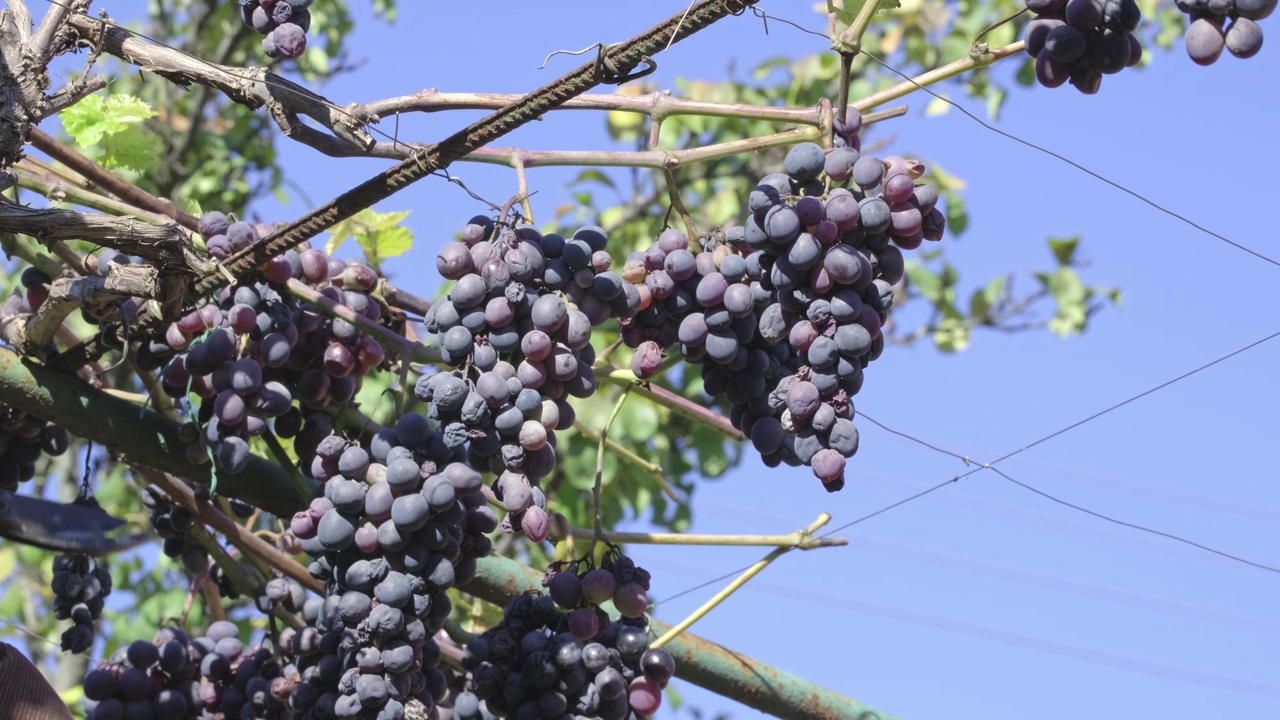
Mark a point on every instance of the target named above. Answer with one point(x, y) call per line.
point(282, 23)
point(374, 661)
point(212, 677)
point(517, 322)
point(1082, 40)
point(785, 311)
point(242, 354)
point(580, 590)
point(172, 523)
point(534, 664)
point(23, 438)
point(80, 587)
point(1216, 24)
point(399, 524)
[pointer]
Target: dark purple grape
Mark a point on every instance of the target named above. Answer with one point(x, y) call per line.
point(781, 225)
point(839, 164)
point(868, 171)
point(1244, 38)
point(232, 454)
point(828, 465)
point(804, 161)
point(290, 40)
point(1249, 9)
point(1051, 72)
point(1066, 44)
point(1084, 15)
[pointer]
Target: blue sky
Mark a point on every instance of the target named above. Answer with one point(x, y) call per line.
point(981, 600)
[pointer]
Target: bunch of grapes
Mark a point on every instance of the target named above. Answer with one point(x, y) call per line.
point(171, 524)
point(212, 677)
point(533, 664)
point(580, 590)
point(35, 285)
point(784, 312)
point(253, 352)
point(23, 438)
point(80, 587)
point(1082, 40)
point(282, 23)
point(518, 321)
point(399, 524)
point(1209, 31)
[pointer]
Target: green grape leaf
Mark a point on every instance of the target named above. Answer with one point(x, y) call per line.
point(924, 281)
point(1072, 313)
point(952, 335)
point(93, 118)
point(846, 12)
point(986, 298)
point(132, 149)
point(1064, 249)
point(380, 235)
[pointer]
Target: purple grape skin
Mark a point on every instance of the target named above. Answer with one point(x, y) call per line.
point(1051, 72)
point(868, 171)
point(1244, 38)
point(1204, 41)
point(828, 465)
point(803, 400)
point(454, 261)
point(290, 40)
point(1066, 43)
point(1084, 15)
point(647, 359)
point(782, 224)
point(839, 164)
point(842, 209)
point(1253, 9)
point(804, 161)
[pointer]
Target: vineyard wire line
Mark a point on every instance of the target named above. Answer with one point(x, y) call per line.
point(978, 467)
point(764, 16)
point(1134, 526)
point(1014, 638)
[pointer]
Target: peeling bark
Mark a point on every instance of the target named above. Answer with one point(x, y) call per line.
point(22, 84)
point(31, 333)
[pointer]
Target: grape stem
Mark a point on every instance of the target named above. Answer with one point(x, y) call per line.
point(290, 467)
point(196, 584)
point(457, 634)
point(522, 187)
point(981, 56)
point(242, 539)
point(595, 490)
point(851, 39)
point(41, 181)
point(24, 247)
point(109, 181)
point(654, 469)
point(677, 204)
point(410, 351)
point(738, 582)
point(212, 600)
point(658, 105)
point(236, 573)
point(798, 540)
point(664, 397)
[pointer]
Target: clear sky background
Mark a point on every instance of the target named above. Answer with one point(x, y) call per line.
point(981, 600)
